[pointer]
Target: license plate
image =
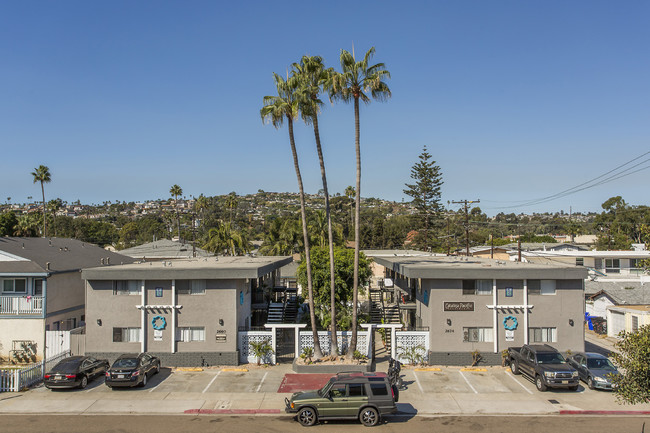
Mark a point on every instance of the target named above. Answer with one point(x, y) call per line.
point(120, 376)
point(565, 381)
point(58, 377)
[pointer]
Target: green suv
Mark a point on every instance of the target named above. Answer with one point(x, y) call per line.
point(362, 396)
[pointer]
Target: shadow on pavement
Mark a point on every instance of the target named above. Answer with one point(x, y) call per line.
point(591, 347)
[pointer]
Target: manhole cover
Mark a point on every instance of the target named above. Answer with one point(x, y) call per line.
point(554, 402)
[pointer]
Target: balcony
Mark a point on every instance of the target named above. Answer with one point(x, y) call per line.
point(21, 305)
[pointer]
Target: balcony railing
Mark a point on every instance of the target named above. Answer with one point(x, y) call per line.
point(21, 305)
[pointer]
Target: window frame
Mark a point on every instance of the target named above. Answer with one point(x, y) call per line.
point(544, 332)
point(122, 288)
point(485, 334)
point(475, 290)
point(125, 334)
point(182, 330)
point(13, 280)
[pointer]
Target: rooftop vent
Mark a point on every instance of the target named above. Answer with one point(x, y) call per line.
point(47, 266)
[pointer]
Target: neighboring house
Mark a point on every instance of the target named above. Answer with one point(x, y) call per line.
point(488, 252)
point(614, 294)
point(165, 249)
point(474, 304)
point(42, 290)
point(187, 312)
point(626, 318)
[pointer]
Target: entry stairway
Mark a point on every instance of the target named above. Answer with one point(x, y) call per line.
point(285, 310)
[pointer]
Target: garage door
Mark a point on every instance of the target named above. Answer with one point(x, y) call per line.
point(617, 325)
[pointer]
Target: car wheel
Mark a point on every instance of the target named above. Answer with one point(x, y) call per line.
point(369, 416)
point(590, 383)
point(144, 380)
point(539, 383)
point(84, 382)
point(157, 369)
point(307, 416)
point(514, 367)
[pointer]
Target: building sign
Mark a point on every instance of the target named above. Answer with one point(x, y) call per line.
point(159, 291)
point(157, 335)
point(510, 335)
point(221, 336)
point(458, 306)
point(508, 292)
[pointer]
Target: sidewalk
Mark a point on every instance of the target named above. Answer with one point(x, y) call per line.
point(599, 343)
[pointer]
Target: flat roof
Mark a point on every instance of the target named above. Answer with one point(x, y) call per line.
point(209, 268)
point(460, 267)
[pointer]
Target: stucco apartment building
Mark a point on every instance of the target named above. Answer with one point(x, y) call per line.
point(41, 290)
point(187, 312)
point(470, 304)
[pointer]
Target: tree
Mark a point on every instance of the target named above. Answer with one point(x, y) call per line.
point(27, 225)
point(425, 192)
point(42, 175)
point(312, 74)
point(352, 84)
point(344, 282)
point(231, 203)
point(8, 221)
point(350, 194)
point(225, 238)
point(176, 191)
point(633, 384)
point(275, 109)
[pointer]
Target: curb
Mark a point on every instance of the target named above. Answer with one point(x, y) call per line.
point(231, 411)
point(473, 369)
point(234, 369)
point(428, 369)
point(604, 412)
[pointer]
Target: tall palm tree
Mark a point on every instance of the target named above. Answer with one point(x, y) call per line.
point(224, 238)
point(231, 203)
point(276, 109)
point(349, 193)
point(353, 83)
point(313, 75)
point(42, 175)
point(176, 191)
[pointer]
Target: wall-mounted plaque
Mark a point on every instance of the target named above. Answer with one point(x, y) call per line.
point(508, 292)
point(159, 292)
point(458, 306)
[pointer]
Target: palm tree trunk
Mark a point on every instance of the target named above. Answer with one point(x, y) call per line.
point(334, 339)
point(178, 218)
point(357, 211)
point(312, 314)
point(44, 214)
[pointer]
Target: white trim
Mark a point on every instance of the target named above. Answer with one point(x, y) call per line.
point(143, 321)
point(173, 316)
point(526, 312)
point(494, 318)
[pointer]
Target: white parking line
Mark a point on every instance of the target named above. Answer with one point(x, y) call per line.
point(470, 385)
point(213, 379)
point(418, 382)
point(260, 385)
point(520, 384)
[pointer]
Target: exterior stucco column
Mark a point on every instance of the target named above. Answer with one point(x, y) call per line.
point(526, 311)
point(173, 316)
point(494, 316)
point(143, 322)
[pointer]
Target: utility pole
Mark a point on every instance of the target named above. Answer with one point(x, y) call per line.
point(466, 203)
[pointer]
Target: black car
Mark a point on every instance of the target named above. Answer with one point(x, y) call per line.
point(131, 370)
point(74, 372)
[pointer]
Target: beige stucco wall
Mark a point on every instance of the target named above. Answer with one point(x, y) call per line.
point(22, 329)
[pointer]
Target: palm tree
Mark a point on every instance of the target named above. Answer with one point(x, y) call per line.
point(349, 193)
point(231, 203)
point(176, 191)
point(355, 80)
point(313, 75)
point(42, 175)
point(224, 238)
point(275, 110)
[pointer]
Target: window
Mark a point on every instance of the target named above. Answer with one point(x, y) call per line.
point(542, 335)
point(636, 266)
point(635, 323)
point(547, 287)
point(190, 333)
point(580, 261)
point(477, 287)
point(534, 287)
point(130, 287)
point(612, 266)
point(17, 285)
point(378, 389)
point(476, 335)
point(355, 390)
point(127, 335)
point(38, 287)
point(190, 287)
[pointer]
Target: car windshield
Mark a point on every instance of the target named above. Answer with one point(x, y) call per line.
point(549, 358)
point(600, 364)
point(126, 363)
point(324, 390)
point(66, 365)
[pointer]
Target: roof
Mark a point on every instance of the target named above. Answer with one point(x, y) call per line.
point(165, 249)
point(410, 253)
point(216, 268)
point(448, 267)
point(631, 254)
point(32, 255)
point(545, 246)
point(621, 293)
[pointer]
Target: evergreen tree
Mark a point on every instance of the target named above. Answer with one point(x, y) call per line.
point(425, 192)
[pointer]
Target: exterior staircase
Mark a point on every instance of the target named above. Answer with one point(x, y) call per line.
point(276, 312)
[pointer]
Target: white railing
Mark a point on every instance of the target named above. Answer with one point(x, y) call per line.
point(21, 305)
point(14, 380)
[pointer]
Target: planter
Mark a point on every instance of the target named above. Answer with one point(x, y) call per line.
point(318, 367)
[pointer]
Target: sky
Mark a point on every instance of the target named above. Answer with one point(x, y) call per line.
point(515, 100)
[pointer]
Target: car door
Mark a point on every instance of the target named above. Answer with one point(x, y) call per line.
point(86, 368)
point(528, 364)
point(91, 367)
point(334, 403)
point(356, 398)
point(583, 371)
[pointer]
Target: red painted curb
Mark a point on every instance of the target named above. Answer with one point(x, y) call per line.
point(604, 412)
point(230, 411)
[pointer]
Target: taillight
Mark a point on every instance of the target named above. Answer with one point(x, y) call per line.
point(47, 376)
point(392, 391)
point(70, 376)
point(108, 374)
point(136, 373)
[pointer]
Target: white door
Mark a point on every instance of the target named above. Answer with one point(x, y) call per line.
point(617, 323)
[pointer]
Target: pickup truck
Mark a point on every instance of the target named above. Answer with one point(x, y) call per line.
point(545, 365)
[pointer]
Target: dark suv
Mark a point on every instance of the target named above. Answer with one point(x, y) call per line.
point(362, 396)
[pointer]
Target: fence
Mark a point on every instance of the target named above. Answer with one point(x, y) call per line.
point(246, 354)
point(364, 341)
point(13, 380)
point(21, 305)
point(412, 342)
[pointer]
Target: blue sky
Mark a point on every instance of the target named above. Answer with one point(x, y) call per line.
point(516, 100)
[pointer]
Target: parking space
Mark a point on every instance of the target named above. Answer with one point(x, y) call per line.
point(455, 380)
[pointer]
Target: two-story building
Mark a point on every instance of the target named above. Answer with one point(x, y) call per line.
point(472, 304)
point(187, 312)
point(41, 290)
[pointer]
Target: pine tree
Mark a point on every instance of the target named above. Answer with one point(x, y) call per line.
point(425, 192)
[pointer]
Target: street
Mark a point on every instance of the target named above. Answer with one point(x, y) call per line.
point(286, 424)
